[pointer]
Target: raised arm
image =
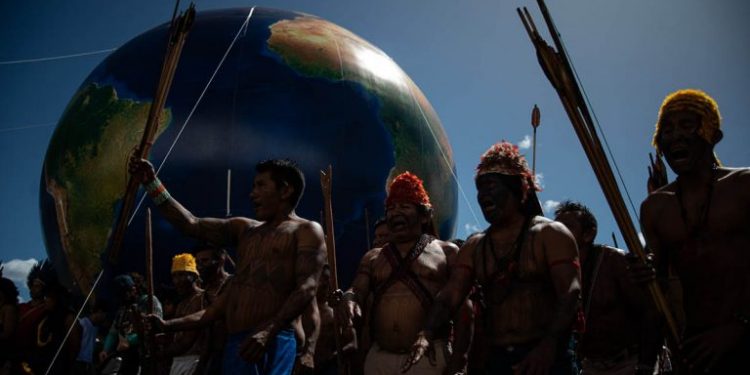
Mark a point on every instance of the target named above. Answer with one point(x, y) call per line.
point(311, 256)
point(220, 232)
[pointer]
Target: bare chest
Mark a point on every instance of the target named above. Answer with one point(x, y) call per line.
point(708, 233)
point(495, 262)
point(267, 255)
point(431, 266)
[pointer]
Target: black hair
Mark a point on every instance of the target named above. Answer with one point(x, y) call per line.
point(9, 290)
point(586, 218)
point(284, 171)
point(43, 271)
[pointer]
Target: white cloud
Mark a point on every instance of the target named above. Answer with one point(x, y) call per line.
point(540, 180)
point(17, 269)
point(525, 142)
point(550, 206)
point(471, 229)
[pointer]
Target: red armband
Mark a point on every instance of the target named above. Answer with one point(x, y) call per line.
point(573, 261)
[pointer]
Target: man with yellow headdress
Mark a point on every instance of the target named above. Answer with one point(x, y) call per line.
point(697, 229)
point(186, 346)
point(528, 270)
point(403, 277)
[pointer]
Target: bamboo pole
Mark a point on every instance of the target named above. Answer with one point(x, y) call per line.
point(326, 186)
point(558, 70)
point(178, 31)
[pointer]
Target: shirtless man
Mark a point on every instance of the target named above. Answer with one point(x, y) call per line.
point(381, 233)
point(279, 259)
point(697, 229)
point(621, 335)
point(527, 267)
point(186, 347)
point(403, 277)
point(211, 261)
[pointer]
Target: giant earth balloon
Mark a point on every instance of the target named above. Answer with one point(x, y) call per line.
point(291, 86)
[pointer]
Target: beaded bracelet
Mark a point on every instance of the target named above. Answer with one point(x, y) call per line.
point(157, 191)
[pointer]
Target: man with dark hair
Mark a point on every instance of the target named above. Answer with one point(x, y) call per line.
point(527, 267)
point(381, 233)
point(187, 346)
point(279, 259)
point(621, 335)
point(211, 262)
point(697, 228)
point(284, 172)
point(403, 277)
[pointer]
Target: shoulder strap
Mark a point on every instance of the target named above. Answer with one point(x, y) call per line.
point(401, 271)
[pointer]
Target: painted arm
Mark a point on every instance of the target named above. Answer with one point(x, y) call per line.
point(311, 327)
point(220, 232)
point(463, 336)
point(446, 302)
point(561, 254)
point(355, 297)
point(197, 320)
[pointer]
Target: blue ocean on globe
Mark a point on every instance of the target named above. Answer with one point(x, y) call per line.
point(291, 86)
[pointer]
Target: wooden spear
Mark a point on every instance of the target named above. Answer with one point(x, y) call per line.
point(148, 337)
point(178, 30)
point(556, 66)
point(326, 187)
point(535, 118)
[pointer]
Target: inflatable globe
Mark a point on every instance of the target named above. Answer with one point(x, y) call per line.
point(291, 86)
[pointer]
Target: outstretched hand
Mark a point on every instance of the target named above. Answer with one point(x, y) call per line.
point(155, 324)
point(141, 170)
point(421, 346)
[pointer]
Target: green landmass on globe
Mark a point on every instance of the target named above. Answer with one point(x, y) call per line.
point(294, 86)
point(92, 140)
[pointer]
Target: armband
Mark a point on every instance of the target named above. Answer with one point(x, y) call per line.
point(157, 191)
point(572, 261)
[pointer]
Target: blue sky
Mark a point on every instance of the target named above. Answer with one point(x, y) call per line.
point(472, 60)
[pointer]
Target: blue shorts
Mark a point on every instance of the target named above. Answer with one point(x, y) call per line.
point(278, 359)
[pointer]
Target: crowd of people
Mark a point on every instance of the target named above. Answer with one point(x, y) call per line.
point(528, 295)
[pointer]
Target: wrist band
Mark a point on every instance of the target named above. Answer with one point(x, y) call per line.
point(349, 296)
point(157, 191)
